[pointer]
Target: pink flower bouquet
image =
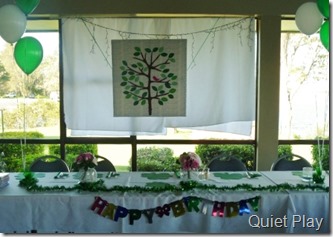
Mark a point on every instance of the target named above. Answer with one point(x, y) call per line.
point(86, 160)
point(189, 161)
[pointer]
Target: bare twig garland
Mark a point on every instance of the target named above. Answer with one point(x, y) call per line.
point(210, 33)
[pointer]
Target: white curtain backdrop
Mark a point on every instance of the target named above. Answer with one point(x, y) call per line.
point(220, 74)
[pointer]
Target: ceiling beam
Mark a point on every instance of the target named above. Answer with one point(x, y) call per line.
point(103, 8)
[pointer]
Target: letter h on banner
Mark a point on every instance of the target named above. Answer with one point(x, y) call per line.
point(218, 209)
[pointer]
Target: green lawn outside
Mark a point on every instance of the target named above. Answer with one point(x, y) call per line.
point(122, 168)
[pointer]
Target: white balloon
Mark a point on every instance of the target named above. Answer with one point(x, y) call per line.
point(308, 18)
point(13, 23)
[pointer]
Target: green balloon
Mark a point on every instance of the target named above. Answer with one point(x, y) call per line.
point(27, 6)
point(325, 34)
point(28, 54)
point(324, 7)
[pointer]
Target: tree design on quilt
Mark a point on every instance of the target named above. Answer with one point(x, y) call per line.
point(148, 77)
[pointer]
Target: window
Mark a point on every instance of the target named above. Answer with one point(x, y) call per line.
point(304, 90)
point(31, 108)
point(80, 79)
point(28, 102)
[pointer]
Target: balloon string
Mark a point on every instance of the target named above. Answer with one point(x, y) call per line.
point(322, 152)
point(318, 135)
point(24, 145)
point(321, 146)
point(22, 141)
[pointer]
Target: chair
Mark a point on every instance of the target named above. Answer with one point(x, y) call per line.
point(103, 164)
point(288, 162)
point(49, 163)
point(226, 163)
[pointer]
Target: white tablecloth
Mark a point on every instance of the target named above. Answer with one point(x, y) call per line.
point(66, 212)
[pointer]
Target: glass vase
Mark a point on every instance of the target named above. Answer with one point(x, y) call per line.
point(89, 175)
point(3, 166)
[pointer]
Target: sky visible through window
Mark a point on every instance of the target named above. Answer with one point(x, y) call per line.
point(49, 41)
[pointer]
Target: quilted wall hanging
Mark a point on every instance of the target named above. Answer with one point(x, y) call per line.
point(149, 77)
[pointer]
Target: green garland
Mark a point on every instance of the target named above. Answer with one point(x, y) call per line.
point(29, 182)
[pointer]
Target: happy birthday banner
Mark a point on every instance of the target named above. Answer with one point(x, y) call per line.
point(177, 208)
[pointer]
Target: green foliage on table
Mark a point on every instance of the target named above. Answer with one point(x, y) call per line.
point(156, 159)
point(325, 153)
point(318, 177)
point(73, 150)
point(30, 183)
point(12, 153)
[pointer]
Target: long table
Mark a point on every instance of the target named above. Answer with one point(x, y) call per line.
point(199, 210)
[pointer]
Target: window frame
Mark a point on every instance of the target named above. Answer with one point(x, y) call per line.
point(134, 141)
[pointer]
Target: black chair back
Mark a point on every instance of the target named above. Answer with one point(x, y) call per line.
point(49, 163)
point(104, 164)
point(226, 163)
point(290, 162)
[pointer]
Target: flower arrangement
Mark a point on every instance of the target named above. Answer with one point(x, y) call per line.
point(85, 160)
point(189, 161)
